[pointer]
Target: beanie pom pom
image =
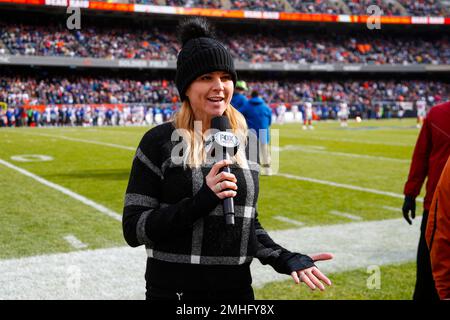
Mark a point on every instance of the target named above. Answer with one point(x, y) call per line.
point(192, 28)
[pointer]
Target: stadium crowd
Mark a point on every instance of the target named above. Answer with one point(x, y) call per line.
point(360, 7)
point(319, 6)
point(258, 5)
point(60, 90)
point(340, 48)
point(96, 42)
point(85, 115)
point(425, 7)
point(365, 98)
point(159, 44)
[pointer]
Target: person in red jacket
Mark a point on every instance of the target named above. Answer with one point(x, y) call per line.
point(438, 234)
point(430, 155)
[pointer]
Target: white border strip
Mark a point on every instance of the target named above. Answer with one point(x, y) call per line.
point(66, 191)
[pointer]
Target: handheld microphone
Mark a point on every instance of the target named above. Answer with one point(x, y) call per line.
point(225, 146)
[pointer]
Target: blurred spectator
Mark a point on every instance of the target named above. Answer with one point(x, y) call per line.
point(359, 7)
point(239, 99)
point(258, 5)
point(424, 7)
point(3, 50)
point(315, 6)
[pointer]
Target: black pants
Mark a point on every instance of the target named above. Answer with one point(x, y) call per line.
point(425, 288)
point(159, 294)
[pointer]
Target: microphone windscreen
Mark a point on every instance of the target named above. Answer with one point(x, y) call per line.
point(220, 123)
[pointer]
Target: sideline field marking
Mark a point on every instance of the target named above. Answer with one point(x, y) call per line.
point(66, 191)
point(345, 186)
point(346, 215)
point(290, 221)
point(75, 242)
point(305, 148)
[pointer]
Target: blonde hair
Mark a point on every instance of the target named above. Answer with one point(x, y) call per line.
point(195, 153)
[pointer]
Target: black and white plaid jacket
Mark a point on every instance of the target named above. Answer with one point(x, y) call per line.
point(180, 220)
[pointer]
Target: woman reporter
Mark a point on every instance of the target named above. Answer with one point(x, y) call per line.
point(174, 207)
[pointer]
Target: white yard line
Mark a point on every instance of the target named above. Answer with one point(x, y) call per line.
point(341, 154)
point(75, 242)
point(290, 221)
point(345, 215)
point(394, 209)
point(118, 273)
point(346, 186)
point(350, 140)
point(105, 144)
point(66, 191)
point(298, 147)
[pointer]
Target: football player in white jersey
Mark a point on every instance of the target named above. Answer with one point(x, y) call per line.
point(421, 112)
point(400, 112)
point(343, 114)
point(308, 116)
point(294, 110)
point(281, 110)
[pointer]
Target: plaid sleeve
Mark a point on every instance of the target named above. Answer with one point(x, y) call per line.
point(281, 259)
point(144, 220)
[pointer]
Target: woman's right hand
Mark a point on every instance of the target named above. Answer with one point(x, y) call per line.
point(221, 182)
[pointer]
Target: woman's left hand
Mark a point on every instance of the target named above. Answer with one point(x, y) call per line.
point(312, 277)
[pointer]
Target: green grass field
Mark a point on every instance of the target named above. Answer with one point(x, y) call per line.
point(396, 283)
point(95, 163)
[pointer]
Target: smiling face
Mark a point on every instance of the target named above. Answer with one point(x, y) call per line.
point(209, 95)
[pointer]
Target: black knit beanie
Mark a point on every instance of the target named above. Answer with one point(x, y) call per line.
point(200, 54)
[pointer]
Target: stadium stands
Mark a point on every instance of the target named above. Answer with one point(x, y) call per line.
point(158, 44)
point(29, 90)
point(425, 7)
point(258, 5)
point(17, 91)
point(320, 6)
